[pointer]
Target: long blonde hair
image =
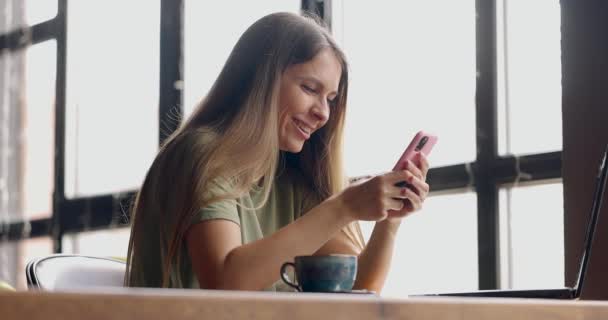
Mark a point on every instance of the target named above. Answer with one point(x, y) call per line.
point(232, 136)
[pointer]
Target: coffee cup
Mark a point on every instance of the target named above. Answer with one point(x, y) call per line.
point(328, 273)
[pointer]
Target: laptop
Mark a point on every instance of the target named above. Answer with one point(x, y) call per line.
point(561, 293)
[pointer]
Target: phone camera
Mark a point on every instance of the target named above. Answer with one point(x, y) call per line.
point(422, 143)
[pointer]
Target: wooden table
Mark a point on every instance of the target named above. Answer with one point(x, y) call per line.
point(123, 303)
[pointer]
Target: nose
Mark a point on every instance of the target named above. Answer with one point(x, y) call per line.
point(320, 110)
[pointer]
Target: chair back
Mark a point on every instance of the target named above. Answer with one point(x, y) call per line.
point(63, 271)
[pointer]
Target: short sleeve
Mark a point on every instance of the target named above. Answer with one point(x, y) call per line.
point(223, 209)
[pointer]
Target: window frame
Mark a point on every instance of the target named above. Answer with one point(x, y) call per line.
point(486, 175)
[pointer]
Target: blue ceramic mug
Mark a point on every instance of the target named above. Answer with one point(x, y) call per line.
point(330, 273)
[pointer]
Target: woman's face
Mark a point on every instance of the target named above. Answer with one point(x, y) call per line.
point(305, 98)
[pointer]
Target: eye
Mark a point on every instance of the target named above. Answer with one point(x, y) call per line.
point(308, 89)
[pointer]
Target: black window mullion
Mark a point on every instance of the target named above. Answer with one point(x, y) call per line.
point(487, 145)
point(535, 167)
point(26, 229)
point(321, 8)
point(171, 70)
point(98, 212)
point(26, 36)
point(60, 114)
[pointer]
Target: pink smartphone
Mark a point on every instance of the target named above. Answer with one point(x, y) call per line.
point(422, 142)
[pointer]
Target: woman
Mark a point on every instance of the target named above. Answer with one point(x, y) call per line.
point(254, 177)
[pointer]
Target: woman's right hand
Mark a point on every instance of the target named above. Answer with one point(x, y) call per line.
point(372, 199)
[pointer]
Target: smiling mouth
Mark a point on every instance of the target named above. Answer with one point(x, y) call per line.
point(303, 127)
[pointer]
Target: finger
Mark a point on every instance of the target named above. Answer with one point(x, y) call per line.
point(401, 192)
point(406, 183)
point(415, 183)
point(409, 206)
point(420, 187)
point(395, 204)
point(423, 164)
point(409, 195)
point(415, 200)
point(411, 166)
point(404, 211)
point(399, 176)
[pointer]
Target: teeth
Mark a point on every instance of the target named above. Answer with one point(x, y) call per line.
point(302, 127)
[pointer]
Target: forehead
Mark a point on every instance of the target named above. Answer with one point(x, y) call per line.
point(324, 66)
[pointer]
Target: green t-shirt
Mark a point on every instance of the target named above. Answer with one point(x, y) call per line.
point(288, 199)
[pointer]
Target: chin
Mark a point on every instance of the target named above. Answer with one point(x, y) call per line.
point(293, 147)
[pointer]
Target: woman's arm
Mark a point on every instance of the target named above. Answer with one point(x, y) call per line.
point(221, 261)
point(375, 259)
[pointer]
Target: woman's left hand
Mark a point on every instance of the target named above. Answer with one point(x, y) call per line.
point(415, 190)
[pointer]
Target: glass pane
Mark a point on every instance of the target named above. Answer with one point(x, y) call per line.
point(409, 72)
point(39, 129)
point(211, 29)
point(20, 13)
point(13, 15)
point(107, 243)
point(12, 77)
point(38, 11)
point(112, 95)
point(15, 255)
point(27, 100)
point(435, 249)
point(9, 266)
point(532, 236)
point(529, 73)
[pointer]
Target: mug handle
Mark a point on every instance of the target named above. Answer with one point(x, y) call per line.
point(285, 277)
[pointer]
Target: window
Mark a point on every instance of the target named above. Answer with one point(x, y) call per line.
point(410, 72)
point(14, 256)
point(107, 243)
point(436, 248)
point(39, 129)
point(415, 65)
point(529, 76)
point(26, 147)
point(402, 82)
point(531, 258)
point(11, 186)
point(37, 11)
point(27, 101)
point(112, 95)
point(23, 13)
point(210, 32)
point(529, 122)
point(407, 80)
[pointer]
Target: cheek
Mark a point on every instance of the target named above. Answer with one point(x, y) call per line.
point(294, 101)
point(285, 102)
point(283, 115)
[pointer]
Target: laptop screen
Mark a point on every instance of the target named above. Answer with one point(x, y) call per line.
point(595, 211)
